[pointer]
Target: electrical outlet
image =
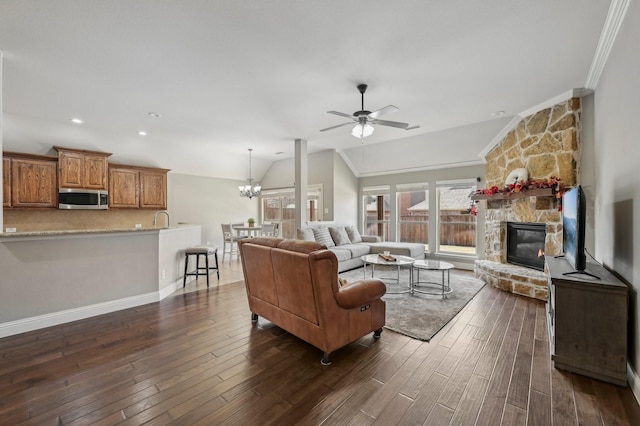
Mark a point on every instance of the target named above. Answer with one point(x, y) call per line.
point(208, 243)
point(138, 225)
point(163, 274)
point(10, 230)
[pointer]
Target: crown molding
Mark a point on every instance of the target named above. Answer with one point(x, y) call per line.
point(612, 24)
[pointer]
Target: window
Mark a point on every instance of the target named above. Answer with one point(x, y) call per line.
point(376, 211)
point(456, 226)
point(413, 213)
point(279, 206)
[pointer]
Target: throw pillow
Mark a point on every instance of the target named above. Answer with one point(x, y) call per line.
point(339, 235)
point(323, 237)
point(354, 234)
point(305, 234)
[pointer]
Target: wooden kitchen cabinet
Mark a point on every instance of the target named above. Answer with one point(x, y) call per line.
point(82, 169)
point(137, 187)
point(6, 182)
point(587, 321)
point(124, 187)
point(33, 182)
point(153, 189)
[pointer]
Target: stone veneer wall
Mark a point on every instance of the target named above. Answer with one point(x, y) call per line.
point(547, 144)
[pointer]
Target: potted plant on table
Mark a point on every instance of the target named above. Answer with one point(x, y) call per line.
point(251, 221)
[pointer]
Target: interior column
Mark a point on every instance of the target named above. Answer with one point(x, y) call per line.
point(301, 165)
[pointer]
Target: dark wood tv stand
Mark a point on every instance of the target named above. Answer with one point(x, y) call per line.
point(587, 321)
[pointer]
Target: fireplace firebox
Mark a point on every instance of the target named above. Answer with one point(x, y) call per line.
point(525, 244)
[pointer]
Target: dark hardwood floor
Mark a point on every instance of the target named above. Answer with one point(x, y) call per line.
point(195, 358)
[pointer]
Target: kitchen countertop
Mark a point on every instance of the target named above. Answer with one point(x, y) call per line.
point(67, 233)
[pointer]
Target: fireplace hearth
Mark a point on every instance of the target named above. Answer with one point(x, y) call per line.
point(526, 244)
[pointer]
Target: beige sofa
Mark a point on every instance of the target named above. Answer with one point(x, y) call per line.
point(349, 245)
point(294, 284)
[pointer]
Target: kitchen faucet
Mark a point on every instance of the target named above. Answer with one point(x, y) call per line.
point(155, 217)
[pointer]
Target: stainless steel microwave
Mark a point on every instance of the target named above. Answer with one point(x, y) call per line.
point(83, 199)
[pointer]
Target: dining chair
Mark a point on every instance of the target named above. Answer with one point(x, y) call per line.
point(269, 229)
point(230, 238)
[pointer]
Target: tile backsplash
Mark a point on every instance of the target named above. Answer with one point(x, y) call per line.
point(62, 220)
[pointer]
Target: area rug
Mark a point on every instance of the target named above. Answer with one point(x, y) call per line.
point(421, 316)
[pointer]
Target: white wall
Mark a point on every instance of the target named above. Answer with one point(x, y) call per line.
point(617, 177)
point(1, 132)
point(321, 169)
point(587, 167)
point(171, 258)
point(320, 172)
point(345, 195)
point(209, 202)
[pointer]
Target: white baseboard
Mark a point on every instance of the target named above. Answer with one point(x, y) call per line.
point(168, 290)
point(634, 382)
point(55, 318)
point(61, 317)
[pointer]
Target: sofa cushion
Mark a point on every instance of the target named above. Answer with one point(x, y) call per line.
point(341, 253)
point(339, 235)
point(354, 234)
point(415, 250)
point(357, 250)
point(305, 234)
point(323, 236)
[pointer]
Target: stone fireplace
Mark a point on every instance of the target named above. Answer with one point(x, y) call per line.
point(547, 145)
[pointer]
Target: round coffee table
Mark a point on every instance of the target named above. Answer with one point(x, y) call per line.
point(399, 262)
point(432, 265)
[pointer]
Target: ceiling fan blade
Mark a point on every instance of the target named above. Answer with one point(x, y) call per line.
point(382, 111)
point(391, 123)
point(335, 127)
point(341, 114)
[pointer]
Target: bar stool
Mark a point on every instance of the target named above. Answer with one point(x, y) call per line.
point(198, 251)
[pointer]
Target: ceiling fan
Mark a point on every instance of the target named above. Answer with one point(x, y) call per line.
point(364, 119)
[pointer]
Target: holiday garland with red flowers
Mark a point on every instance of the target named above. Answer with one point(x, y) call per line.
point(522, 186)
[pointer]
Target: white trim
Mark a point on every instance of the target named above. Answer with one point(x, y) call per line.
point(501, 134)
point(61, 317)
point(168, 290)
point(613, 22)
point(634, 382)
point(347, 160)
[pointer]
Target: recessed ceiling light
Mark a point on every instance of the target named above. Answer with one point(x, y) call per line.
point(76, 120)
point(142, 133)
point(154, 115)
point(497, 113)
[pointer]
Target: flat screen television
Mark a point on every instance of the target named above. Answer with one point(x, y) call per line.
point(573, 227)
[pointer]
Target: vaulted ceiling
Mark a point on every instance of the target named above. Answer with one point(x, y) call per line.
point(228, 75)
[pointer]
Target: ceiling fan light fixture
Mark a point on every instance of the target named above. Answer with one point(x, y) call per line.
point(361, 131)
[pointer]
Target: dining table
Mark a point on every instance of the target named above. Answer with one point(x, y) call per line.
point(252, 231)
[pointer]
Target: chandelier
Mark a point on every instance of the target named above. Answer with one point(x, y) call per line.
point(250, 190)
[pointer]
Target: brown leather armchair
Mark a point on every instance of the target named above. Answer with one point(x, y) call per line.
point(294, 284)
